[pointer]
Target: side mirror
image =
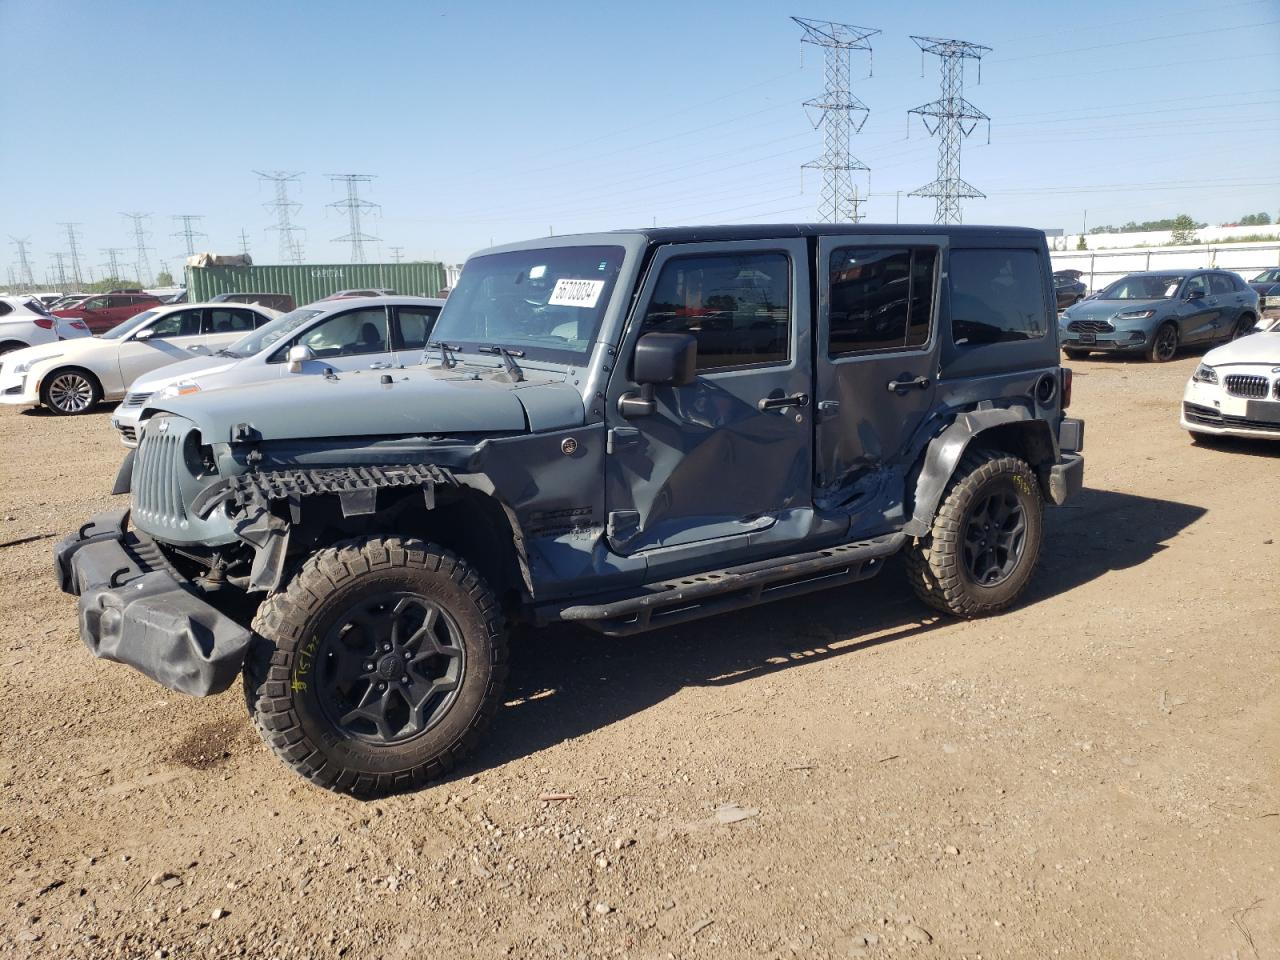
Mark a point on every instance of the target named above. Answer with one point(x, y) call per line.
point(661, 359)
point(298, 354)
point(1195, 295)
point(146, 334)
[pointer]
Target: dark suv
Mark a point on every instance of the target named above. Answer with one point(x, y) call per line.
point(621, 430)
point(103, 311)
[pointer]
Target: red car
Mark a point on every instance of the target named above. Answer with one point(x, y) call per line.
point(103, 311)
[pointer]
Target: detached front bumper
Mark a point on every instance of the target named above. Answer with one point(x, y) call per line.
point(136, 610)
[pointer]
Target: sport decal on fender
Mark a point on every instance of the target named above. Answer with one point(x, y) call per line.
point(575, 293)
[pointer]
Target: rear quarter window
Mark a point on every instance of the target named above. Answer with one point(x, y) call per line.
point(997, 296)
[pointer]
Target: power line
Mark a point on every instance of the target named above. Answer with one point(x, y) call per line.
point(354, 206)
point(73, 251)
point(835, 111)
point(24, 264)
point(188, 231)
point(140, 239)
point(950, 118)
point(288, 234)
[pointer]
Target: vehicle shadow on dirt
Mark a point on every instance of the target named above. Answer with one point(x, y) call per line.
point(567, 681)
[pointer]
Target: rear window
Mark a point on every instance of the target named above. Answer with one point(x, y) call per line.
point(35, 306)
point(997, 296)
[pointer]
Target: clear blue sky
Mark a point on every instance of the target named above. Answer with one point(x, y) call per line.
point(504, 120)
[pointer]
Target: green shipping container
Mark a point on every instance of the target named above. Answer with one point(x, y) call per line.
point(308, 282)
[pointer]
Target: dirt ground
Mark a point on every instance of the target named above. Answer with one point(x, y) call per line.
point(1094, 774)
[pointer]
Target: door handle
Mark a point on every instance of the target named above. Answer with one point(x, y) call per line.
point(777, 403)
point(920, 382)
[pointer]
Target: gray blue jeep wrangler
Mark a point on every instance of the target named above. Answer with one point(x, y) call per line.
point(622, 430)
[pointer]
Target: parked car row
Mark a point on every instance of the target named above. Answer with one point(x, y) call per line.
point(26, 322)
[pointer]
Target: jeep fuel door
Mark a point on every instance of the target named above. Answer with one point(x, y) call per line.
point(877, 362)
point(730, 453)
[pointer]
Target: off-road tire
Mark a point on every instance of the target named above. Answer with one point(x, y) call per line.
point(1073, 354)
point(282, 681)
point(935, 563)
point(60, 397)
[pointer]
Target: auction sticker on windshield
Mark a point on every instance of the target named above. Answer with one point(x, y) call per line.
point(575, 293)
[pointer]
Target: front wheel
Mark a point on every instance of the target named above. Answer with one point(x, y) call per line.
point(377, 669)
point(1164, 345)
point(70, 391)
point(985, 540)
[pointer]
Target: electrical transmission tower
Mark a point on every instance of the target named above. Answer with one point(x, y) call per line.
point(24, 265)
point(950, 118)
point(289, 235)
point(60, 266)
point(140, 239)
point(397, 254)
point(839, 113)
point(354, 207)
point(188, 231)
point(73, 251)
point(244, 241)
point(113, 260)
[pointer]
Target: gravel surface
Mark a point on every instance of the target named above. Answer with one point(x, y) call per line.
point(1093, 774)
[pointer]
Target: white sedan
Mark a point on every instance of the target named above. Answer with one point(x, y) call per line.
point(26, 322)
point(1235, 391)
point(72, 376)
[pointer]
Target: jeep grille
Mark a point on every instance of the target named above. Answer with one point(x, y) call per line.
point(1247, 385)
point(157, 497)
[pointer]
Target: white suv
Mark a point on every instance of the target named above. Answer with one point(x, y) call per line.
point(359, 333)
point(26, 322)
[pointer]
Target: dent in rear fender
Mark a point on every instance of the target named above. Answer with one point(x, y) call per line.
point(943, 456)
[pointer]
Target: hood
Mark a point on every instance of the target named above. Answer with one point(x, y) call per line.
point(1262, 289)
point(182, 370)
point(1106, 309)
point(60, 348)
point(421, 400)
point(1255, 348)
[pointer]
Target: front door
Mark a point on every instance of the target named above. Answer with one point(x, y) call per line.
point(172, 337)
point(1199, 310)
point(358, 339)
point(877, 364)
point(725, 462)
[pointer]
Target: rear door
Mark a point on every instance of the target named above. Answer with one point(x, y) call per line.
point(412, 328)
point(877, 364)
point(223, 326)
point(723, 462)
point(1198, 314)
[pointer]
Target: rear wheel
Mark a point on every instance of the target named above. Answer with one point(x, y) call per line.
point(378, 667)
point(985, 540)
point(70, 391)
point(1164, 345)
point(9, 346)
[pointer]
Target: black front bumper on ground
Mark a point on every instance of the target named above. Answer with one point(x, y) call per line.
point(136, 610)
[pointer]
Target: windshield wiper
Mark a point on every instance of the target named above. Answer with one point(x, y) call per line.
point(447, 359)
point(508, 360)
point(224, 352)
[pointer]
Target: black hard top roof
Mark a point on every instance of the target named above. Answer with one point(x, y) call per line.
point(774, 231)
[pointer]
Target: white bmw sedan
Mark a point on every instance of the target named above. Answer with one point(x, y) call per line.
point(73, 376)
point(1235, 391)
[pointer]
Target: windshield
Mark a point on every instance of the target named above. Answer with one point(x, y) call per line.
point(122, 330)
point(269, 333)
point(545, 303)
point(1140, 287)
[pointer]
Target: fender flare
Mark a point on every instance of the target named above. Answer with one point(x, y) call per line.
point(943, 456)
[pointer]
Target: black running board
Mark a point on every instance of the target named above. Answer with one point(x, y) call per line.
point(718, 591)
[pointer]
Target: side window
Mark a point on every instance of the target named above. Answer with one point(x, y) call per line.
point(347, 334)
point(738, 306)
point(997, 296)
point(184, 323)
point(95, 303)
point(5, 308)
point(1221, 283)
point(880, 299)
point(229, 321)
point(415, 325)
point(1197, 284)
